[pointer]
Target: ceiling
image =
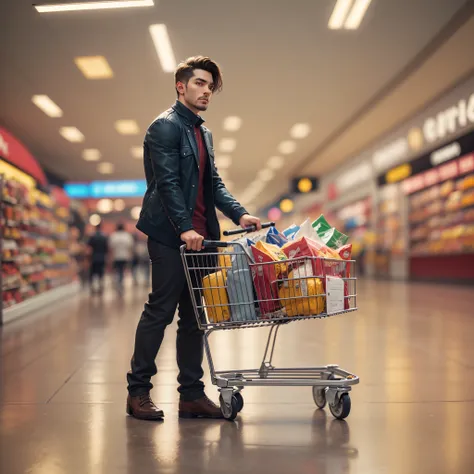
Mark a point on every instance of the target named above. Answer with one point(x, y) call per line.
point(281, 64)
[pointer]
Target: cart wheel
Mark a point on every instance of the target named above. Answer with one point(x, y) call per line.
point(240, 401)
point(342, 408)
point(319, 396)
point(229, 412)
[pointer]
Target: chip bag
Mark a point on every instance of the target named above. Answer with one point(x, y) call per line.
point(329, 235)
point(265, 281)
point(274, 237)
point(291, 231)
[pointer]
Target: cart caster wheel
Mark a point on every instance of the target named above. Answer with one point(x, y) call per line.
point(342, 408)
point(319, 396)
point(230, 412)
point(240, 401)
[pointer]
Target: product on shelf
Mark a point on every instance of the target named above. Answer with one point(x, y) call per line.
point(442, 219)
point(35, 246)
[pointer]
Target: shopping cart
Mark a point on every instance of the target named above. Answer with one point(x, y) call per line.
point(230, 291)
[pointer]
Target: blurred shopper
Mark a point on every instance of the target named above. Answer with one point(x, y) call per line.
point(98, 250)
point(121, 246)
point(184, 189)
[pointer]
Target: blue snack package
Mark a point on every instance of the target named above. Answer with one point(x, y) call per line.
point(274, 237)
point(291, 231)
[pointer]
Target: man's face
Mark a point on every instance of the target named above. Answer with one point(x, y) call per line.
point(198, 91)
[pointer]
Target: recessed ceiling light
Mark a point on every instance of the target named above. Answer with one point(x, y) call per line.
point(357, 14)
point(91, 154)
point(104, 206)
point(223, 161)
point(94, 67)
point(232, 124)
point(44, 103)
point(339, 14)
point(95, 220)
point(127, 127)
point(119, 205)
point(72, 134)
point(80, 6)
point(135, 212)
point(266, 174)
point(287, 147)
point(137, 151)
point(276, 162)
point(227, 145)
point(161, 40)
point(105, 168)
point(300, 130)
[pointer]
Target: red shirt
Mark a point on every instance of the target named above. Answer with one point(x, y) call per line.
point(199, 216)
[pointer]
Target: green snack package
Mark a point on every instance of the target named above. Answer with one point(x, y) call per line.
point(321, 225)
point(329, 235)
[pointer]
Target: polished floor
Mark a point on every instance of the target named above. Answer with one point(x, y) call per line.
point(62, 392)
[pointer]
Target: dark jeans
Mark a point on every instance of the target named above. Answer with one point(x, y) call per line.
point(97, 270)
point(120, 266)
point(169, 291)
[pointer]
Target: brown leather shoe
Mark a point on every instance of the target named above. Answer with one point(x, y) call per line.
point(143, 408)
point(201, 408)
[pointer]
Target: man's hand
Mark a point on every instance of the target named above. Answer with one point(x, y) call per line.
point(193, 240)
point(247, 220)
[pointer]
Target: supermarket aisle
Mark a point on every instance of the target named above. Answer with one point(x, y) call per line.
point(62, 395)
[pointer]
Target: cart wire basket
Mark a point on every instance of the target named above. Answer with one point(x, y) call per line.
point(229, 290)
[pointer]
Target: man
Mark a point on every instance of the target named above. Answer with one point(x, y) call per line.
point(184, 189)
point(121, 243)
point(98, 249)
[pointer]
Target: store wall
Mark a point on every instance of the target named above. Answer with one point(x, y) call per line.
point(442, 121)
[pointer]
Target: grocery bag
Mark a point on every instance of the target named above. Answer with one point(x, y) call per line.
point(240, 288)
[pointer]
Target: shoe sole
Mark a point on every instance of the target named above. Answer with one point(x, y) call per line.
point(158, 417)
point(187, 415)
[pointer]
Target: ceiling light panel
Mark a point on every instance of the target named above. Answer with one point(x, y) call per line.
point(276, 162)
point(266, 175)
point(287, 147)
point(105, 168)
point(223, 161)
point(71, 134)
point(232, 124)
point(300, 130)
point(127, 127)
point(137, 152)
point(44, 103)
point(94, 67)
point(91, 154)
point(82, 6)
point(357, 14)
point(227, 145)
point(339, 14)
point(164, 50)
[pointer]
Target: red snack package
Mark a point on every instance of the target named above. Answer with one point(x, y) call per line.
point(305, 247)
point(264, 279)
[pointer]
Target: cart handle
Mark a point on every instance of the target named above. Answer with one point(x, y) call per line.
point(247, 230)
point(215, 243)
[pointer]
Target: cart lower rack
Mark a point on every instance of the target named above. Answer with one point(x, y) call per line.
point(230, 291)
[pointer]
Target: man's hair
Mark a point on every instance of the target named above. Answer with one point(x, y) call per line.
point(120, 226)
point(185, 71)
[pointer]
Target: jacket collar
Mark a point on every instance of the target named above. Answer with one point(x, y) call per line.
point(187, 114)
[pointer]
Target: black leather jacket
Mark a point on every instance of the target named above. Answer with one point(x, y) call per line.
point(172, 173)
